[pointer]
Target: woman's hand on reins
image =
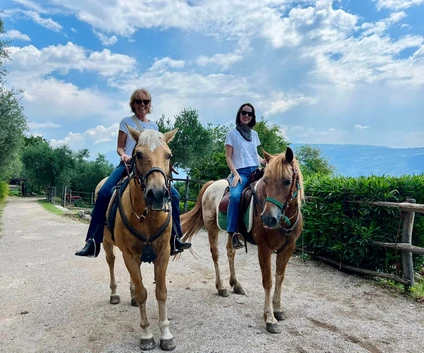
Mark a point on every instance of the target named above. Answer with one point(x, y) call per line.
point(126, 158)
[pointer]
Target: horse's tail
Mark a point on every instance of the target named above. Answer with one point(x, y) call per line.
point(192, 221)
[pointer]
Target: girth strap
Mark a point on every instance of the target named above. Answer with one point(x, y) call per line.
point(134, 231)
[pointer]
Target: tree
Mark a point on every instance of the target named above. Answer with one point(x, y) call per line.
point(192, 142)
point(13, 123)
point(312, 162)
point(271, 137)
point(215, 166)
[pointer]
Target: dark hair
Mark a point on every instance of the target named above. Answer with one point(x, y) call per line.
point(252, 122)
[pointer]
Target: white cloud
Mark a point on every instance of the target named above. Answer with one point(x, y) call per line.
point(223, 60)
point(44, 22)
point(280, 102)
point(357, 126)
point(15, 35)
point(103, 138)
point(31, 63)
point(397, 4)
point(30, 5)
point(105, 40)
point(165, 63)
point(36, 126)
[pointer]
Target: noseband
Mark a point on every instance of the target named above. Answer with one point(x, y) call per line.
point(142, 179)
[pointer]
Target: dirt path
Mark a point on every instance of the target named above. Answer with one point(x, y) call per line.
point(53, 301)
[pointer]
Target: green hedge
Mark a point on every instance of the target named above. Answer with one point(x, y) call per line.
point(343, 231)
point(4, 190)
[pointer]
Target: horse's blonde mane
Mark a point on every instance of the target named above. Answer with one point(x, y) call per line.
point(151, 139)
point(278, 167)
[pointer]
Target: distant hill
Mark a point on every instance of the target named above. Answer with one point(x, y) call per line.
point(361, 160)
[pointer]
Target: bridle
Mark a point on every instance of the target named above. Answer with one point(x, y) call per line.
point(148, 254)
point(285, 223)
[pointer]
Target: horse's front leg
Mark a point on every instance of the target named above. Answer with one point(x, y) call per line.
point(264, 254)
point(280, 269)
point(147, 341)
point(161, 265)
point(231, 254)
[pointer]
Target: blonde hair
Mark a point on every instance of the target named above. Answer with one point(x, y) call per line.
point(135, 94)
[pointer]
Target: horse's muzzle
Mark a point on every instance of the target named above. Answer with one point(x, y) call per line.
point(269, 221)
point(157, 198)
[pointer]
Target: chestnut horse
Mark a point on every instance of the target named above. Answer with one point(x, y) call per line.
point(142, 229)
point(277, 223)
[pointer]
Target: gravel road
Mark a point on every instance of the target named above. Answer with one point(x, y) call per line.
point(53, 301)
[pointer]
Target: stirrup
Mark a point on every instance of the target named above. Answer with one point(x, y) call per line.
point(235, 242)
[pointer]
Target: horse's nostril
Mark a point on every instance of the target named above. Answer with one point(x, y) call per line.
point(269, 221)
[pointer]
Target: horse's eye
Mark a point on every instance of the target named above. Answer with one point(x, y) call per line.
point(286, 182)
point(168, 156)
point(139, 155)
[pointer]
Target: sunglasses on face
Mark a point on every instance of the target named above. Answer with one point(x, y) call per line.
point(243, 112)
point(144, 101)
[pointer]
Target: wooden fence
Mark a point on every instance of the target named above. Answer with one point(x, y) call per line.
point(408, 209)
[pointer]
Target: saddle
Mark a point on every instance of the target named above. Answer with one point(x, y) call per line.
point(245, 202)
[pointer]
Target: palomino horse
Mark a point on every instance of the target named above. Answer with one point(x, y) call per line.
point(277, 223)
point(142, 229)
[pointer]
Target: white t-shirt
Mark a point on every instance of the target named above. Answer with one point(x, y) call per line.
point(244, 152)
point(130, 143)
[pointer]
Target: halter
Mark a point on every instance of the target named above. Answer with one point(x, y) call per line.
point(295, 187)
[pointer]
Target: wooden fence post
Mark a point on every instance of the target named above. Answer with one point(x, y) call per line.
point(64, 197)
point(186, 193)
point(407, 262)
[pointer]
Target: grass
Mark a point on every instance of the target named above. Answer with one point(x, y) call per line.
point(415, 292)
point(50, 207)
point(2, 205)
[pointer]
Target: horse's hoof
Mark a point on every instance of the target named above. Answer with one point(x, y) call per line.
point(114, 299)
point(279, 315)
point(134, 302)
point(167, 345)
point(147, 344)
point(223, 293)
point(238, 289)
point(273, 328)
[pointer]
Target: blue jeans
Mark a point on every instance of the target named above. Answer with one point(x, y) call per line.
point(98, 214)
point(235, 197)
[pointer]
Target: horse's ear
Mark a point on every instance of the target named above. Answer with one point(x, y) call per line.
point(289, 155)
point(135, 134)
point(267, 156)
point(170, 135)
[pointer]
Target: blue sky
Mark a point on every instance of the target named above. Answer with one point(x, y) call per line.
point(344, 72)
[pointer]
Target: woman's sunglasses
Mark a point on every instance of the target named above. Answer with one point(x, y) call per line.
point(139, 101)
point(243, 112)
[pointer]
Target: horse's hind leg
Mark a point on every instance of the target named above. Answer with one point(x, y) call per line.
point(147, 341)
point(166, 338)
point(280, 269)
point(110, 259)
point(213, 232)
point(231, 254)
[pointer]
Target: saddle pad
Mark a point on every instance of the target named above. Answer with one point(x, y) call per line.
point(247, 218)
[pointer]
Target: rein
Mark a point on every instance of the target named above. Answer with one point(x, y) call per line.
point(148, 254)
